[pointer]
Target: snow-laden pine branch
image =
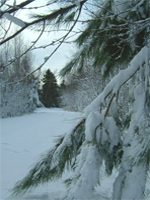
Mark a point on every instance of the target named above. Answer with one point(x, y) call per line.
point(94, 139)
point(120, 79)
point(135, 160)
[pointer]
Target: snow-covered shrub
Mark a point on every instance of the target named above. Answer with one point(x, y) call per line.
point(18, 99)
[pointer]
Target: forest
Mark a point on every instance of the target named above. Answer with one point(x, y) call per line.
point(106, 78)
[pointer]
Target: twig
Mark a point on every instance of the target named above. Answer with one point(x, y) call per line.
point(109, 105)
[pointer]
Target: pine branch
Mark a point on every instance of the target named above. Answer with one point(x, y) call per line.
point(52, 165)
point(52, 16)
point(109, 105)
point(43, 18)
point(14, 35)
point(118, 81)
point(17, 7)
point(48, 57)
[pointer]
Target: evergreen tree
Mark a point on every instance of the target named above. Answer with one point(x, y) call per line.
point(49, 94)
point(124, 25)
point(116, 34)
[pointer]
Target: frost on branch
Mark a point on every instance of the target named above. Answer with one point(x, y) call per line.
point(119, 80)
point(97, 139)
point(52, 165)
point(102, 133)
point(87, 174)
point(121, 7)
point(136, 152)
point(101, 141)
point(135, 161)
point(93, 121)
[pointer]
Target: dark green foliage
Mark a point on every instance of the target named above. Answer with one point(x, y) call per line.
point(52, 165)
point(56, 16)
point(113, 159)
point(109, 39)
point(78, 61)
point(64, 15)
point(49, 94)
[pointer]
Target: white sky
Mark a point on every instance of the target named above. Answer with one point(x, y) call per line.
point(58, 60)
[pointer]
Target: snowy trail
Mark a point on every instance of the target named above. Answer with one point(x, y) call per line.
point(23, 140)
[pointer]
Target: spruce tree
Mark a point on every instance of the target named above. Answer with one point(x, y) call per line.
point(49, 94)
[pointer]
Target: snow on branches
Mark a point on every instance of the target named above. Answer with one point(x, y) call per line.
point(97, 139)
point(119, 80)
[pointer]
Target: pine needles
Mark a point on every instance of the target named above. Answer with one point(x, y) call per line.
point(52, 165)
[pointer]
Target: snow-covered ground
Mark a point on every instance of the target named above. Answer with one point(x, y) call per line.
point(23, 140)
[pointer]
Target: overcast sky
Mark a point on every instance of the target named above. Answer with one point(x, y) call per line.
point(58, 60)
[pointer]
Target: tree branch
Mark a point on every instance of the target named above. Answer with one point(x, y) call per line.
point(17, 7)
point(48, 57)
